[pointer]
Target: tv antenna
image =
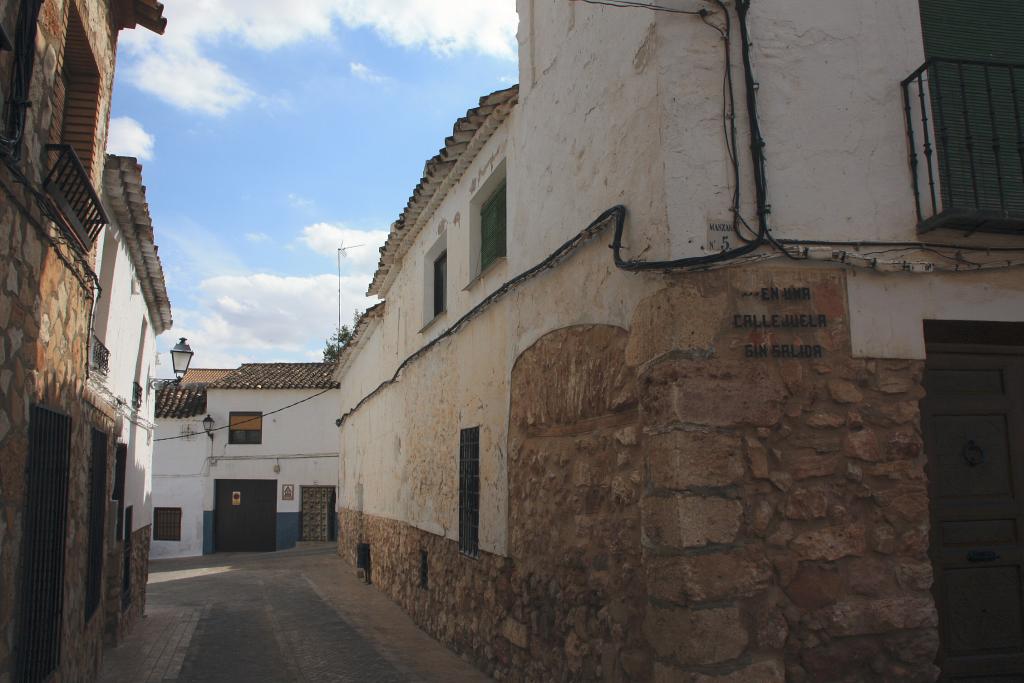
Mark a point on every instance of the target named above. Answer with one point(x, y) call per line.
point(341, 252)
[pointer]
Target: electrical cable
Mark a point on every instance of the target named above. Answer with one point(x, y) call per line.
point(642, 5)
point(21, 78)
point(252, 419)
point(618, 212)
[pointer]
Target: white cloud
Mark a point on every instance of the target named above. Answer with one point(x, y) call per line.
point(181, 76)
point(362, 246)
point(257, 236)
point(174, 68)
point(266, 317)
point(365, 73)
point(127, 137)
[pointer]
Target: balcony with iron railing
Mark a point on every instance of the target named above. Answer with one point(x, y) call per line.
point(99, 358)
point(81, 216)
point(966, 135)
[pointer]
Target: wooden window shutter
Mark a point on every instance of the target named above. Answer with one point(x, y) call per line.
point(973, 104)
point(492, 228)
point(79, 106)
point(247, 422)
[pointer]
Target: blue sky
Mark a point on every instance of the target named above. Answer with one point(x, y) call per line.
point(271, 132)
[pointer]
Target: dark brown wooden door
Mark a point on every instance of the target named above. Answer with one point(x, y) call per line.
point(246, 515)
point(973, 419)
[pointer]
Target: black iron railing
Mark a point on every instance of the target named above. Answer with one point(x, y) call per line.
point(136, 396)
point(69, 186)
point(100, 357)
point(965, 123)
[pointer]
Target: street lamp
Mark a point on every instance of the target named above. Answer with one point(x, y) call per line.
point(181, 356)
point(208, 426)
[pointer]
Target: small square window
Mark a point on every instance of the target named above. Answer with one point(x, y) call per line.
point(245, 428)
point(166, 524)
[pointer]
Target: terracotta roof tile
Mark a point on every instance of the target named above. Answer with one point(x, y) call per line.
point(178, 401)
point(440, 173)
point(205, 375)
point(279, 376)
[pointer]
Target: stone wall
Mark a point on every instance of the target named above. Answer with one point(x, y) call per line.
point(121, 617)
point(45, 306)
point(698, 498)
point(785, 515)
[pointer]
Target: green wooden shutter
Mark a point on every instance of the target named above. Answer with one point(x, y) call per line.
point(991, 32)
point(492, 228)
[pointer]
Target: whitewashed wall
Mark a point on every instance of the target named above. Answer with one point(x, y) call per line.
point(181, 469)
point(302, 441)
point(625, 106)
point(122, 323)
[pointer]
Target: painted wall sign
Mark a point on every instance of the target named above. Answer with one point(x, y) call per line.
point(236, 497)
point(287, 491)
point(720, 237)
point(803, 319)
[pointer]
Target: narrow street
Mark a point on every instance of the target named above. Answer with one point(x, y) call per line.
point(297, 615)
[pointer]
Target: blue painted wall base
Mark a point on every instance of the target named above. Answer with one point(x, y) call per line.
point(288, 528)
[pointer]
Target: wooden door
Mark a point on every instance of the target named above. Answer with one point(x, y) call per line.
point(973, 420)
point(317, 512)
point(245, 519)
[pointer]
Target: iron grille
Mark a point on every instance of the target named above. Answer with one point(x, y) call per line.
point(69, 186)
point(126, 576)
point(97, 509)
point(166, 524)
point(469, 492)
point(424, 569)
point(120, 467)
point(966, 135)
point(42, 580)
point(136, 396)
point(100, 357)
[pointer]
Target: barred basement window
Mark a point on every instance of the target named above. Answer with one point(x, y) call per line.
point(97, 510)
point(469, 492)
point(126, 576)
point(166, 524)
point(120, 469)
point(38, 632)
point(245, 428)
point(492, 228)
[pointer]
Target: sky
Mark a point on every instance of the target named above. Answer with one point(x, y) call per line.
point(271, 133)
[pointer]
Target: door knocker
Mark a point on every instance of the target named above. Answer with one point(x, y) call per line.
point(973, 454)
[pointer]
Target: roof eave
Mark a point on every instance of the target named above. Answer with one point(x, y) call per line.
point(469, 134)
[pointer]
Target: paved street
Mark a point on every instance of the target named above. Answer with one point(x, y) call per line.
point(298, 615)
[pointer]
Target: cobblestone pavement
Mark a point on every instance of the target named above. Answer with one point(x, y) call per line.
point(298, 615)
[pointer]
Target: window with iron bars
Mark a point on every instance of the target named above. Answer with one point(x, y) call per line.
point(137, 394)
point(38, 633)
point(97, 510)
point(166, 524)
point(469, 492)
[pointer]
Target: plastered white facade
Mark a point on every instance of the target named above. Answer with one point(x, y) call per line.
point(123, 324)
point(301, 442)
point(624, 106)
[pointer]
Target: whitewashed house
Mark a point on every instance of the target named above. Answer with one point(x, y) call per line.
point(131, 310)
point(772, 432)
point(246, 459)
